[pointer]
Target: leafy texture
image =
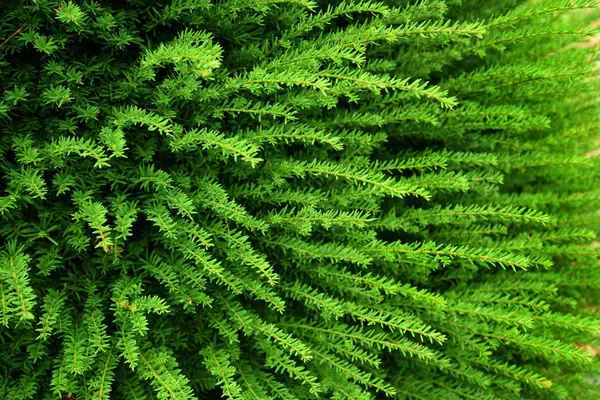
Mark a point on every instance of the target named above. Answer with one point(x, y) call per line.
point(294, 199)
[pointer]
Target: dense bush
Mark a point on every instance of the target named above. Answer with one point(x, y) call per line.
point(290, 199)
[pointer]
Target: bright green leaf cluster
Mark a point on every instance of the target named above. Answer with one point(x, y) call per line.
point(294, 199)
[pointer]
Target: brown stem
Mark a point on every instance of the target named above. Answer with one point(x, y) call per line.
point(11, 36)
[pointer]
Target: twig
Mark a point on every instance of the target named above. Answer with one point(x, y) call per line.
point(11, 36)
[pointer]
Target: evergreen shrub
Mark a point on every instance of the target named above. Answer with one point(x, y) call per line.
point(297, 199)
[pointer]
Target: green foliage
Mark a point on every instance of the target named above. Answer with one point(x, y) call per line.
point(293, 199)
